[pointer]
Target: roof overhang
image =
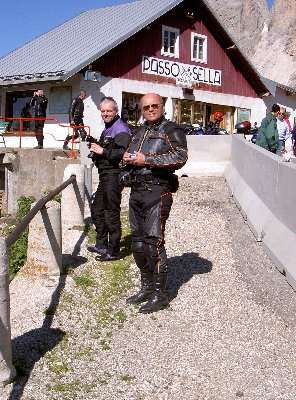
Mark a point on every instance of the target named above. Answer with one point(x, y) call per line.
point(31, 78)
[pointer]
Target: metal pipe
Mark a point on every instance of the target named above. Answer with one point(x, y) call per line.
point(18, 230)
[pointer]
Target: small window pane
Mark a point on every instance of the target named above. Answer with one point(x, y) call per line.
point(166, 41)
point(172, 42)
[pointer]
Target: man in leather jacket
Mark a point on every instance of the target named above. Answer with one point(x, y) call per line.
point(76, 118)
point(157, 149)
point(39, 102)
point(107, 155)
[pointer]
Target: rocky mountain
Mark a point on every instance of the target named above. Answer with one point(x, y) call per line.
point(267, 37)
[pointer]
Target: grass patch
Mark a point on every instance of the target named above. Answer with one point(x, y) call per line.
point(103, 284)
point(127, 378)
point(84, 280)
point(17, 253)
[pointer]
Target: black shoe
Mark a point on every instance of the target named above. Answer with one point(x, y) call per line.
point(143, 295)
point(158, 301)
point(146, 290)
point(107, 257)
point(38, 147)
point(97, 249)
point(65, 147)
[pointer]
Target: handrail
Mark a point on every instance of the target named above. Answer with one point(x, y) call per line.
point(25, 133)
point(18, 230)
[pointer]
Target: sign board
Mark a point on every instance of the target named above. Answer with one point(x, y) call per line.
point(184, 74)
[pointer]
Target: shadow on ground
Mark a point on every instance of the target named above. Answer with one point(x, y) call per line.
point(183, 268)
point(29, 348)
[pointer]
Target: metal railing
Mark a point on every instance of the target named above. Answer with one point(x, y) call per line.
point(23, 132)
point(48, 230)
point(18, 230)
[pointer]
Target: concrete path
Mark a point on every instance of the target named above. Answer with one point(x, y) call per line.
point(229, 332)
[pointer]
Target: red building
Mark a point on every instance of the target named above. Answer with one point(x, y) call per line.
point(175, 48)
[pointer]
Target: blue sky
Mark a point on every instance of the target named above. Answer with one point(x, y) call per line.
point(22, 20)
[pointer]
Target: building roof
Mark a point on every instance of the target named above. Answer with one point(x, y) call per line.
point(69, 47)
point(73, 45)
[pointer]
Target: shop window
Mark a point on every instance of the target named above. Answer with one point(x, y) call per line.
point(170, 41)
point(243, 114)
point(131, 113)
point(198, 48)
point(188, 112)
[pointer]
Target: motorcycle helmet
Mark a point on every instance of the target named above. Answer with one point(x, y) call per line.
point(218, 115)
point(243, 127)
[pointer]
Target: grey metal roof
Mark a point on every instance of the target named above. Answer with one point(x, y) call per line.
point(71, 46)
point(272, 85)
point(66, 49)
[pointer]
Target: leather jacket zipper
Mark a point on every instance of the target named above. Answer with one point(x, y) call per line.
point(143, 139)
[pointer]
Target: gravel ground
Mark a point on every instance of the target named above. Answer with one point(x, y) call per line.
point(229, 332)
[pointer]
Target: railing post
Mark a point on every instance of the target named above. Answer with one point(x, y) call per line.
point(44, 254)
point(7, 370)
point(73, 198)
point(88, 166)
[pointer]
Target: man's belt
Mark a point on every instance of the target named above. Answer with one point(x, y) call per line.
point(148, 178)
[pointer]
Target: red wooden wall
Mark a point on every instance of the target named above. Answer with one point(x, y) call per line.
point(125, 61)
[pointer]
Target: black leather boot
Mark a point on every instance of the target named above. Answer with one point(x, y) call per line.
point(146, 290)
point(158, 300)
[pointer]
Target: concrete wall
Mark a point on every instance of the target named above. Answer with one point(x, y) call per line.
point(207, 155)
point(264, 188)
point(33, 173)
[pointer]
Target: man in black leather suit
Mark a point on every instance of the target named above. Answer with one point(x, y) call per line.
point(157, 149)
point(76, 118)
point(107, 156)
point(39, 102)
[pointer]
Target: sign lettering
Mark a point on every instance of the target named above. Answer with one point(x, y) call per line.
point(185, 74)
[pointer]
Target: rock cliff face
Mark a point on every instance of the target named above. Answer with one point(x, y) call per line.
point(267, 37)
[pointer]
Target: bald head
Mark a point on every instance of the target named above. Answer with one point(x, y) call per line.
point(152, 107)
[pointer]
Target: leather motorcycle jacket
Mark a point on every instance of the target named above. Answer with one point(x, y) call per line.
point(40, 104)
point(164, 145)
point(76, 109)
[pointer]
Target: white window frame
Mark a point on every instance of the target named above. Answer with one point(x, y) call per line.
point(205, 47)
point(169, 30)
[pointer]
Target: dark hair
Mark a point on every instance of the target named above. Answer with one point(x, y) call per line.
point(275, 108)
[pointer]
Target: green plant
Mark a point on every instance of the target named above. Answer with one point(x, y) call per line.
point(83, 280)
point(127, 378)
point(18, 251)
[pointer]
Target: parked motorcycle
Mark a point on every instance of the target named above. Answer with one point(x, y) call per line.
point(195, 129)
point(213, 127)
point(245, 127)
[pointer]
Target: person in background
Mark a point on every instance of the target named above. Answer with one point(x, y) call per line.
point(293, 133)
point(268, 136)
point(25, 113)
point(76, 118)
point(157, 149)
point(39, 102)
point(105, 208)
point(283, 131)
point(286, 119)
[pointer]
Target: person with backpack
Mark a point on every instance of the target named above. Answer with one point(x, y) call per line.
point(157, 149)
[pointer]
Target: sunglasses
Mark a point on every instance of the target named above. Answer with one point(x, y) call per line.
point(153, 106)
